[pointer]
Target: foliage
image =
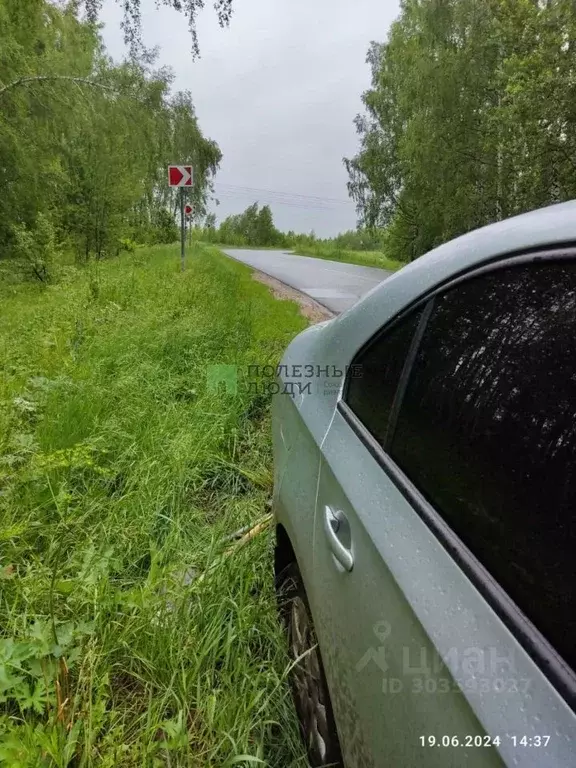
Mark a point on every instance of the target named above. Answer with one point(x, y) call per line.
point(325, 249)
point(164, 229)
point(469, 119)
point(132, 17)
point(362, 246)
point(254, 227)
point(35, 248)
point(99, 144)
point(352, 240)
point(121, 474)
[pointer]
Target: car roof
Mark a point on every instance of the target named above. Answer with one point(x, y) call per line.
point(546, 227)
point(553, 225)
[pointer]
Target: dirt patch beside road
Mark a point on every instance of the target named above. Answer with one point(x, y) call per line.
point(311, 309)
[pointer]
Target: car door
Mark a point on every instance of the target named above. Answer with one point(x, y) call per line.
point(444, 583)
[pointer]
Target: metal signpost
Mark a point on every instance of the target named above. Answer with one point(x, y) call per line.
point(181, 176)
point(188, 211)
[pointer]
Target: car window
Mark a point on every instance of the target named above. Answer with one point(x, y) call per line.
point(377, 370)
point(487, 432)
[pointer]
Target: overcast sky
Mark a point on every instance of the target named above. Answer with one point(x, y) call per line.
point(278, 90)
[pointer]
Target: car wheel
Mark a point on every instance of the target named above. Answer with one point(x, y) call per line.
point(307, 679)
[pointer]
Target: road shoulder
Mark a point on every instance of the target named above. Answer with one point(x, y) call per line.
point(310, 309)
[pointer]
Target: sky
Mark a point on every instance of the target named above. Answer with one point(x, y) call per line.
point(278, 90)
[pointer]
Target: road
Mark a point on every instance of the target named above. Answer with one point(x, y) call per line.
point(331, 283)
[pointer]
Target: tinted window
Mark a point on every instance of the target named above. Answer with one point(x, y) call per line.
point(487, 431)
point(371, 393)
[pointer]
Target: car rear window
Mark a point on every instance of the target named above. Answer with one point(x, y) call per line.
point(487, 432)
point(378, 368)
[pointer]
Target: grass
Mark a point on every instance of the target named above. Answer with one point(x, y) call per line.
point(251, 247)
point(120, 474)
point(331, 253)
point(363, 258)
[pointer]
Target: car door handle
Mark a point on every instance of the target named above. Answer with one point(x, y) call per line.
point(336, 526)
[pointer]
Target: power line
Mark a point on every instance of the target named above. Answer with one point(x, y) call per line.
point(262, 194)
point(295, 196)
point(273, 201)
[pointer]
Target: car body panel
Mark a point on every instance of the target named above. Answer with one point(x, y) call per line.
point(417, 649)
point(403, 578)
point(296, 479)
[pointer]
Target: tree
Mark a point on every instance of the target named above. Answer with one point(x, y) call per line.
point(99, 139)
point(265, 232)
point(469, 118)
point(253, 227)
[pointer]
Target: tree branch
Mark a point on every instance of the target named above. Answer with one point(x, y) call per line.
point(43, 78)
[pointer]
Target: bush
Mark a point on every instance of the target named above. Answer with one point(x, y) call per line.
point(128, 245)
point(35, 248)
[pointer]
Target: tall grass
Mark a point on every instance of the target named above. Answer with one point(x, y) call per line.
point(125, 639)
point(328, 250)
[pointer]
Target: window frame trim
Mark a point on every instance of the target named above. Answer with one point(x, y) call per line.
point(406, 372)
point(540, 650)
point(540, 254)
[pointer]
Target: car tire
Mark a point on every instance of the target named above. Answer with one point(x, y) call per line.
point(307, 678)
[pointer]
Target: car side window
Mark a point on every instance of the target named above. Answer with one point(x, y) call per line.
point(487, 432)
point(378, 368)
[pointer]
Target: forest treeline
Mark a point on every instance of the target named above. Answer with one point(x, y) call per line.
point(255, 227)
point(85, 142)
point(471, 118)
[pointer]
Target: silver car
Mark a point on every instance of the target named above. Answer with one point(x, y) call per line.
point(425, 495)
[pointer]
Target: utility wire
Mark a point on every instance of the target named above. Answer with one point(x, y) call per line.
point(279, 194)
point(273, 201)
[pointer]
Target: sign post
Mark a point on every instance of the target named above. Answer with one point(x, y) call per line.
point(188, 211)
point(182, 232)
point(181, 176)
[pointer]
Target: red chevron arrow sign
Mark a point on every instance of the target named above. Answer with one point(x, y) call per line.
point(180, 175)
point(188, 210)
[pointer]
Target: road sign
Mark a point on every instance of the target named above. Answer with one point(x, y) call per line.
point(180, 175)
point(188, 210)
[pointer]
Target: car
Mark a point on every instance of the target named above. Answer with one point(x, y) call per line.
point(424, 502)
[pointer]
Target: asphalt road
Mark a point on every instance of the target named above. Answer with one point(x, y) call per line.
point(331, 283)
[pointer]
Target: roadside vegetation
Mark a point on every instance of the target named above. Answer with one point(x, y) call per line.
point(331, 250)
point(130, 633)
point(128, 638)
point(84, 145)
point(470, 119)
point(255, 228)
